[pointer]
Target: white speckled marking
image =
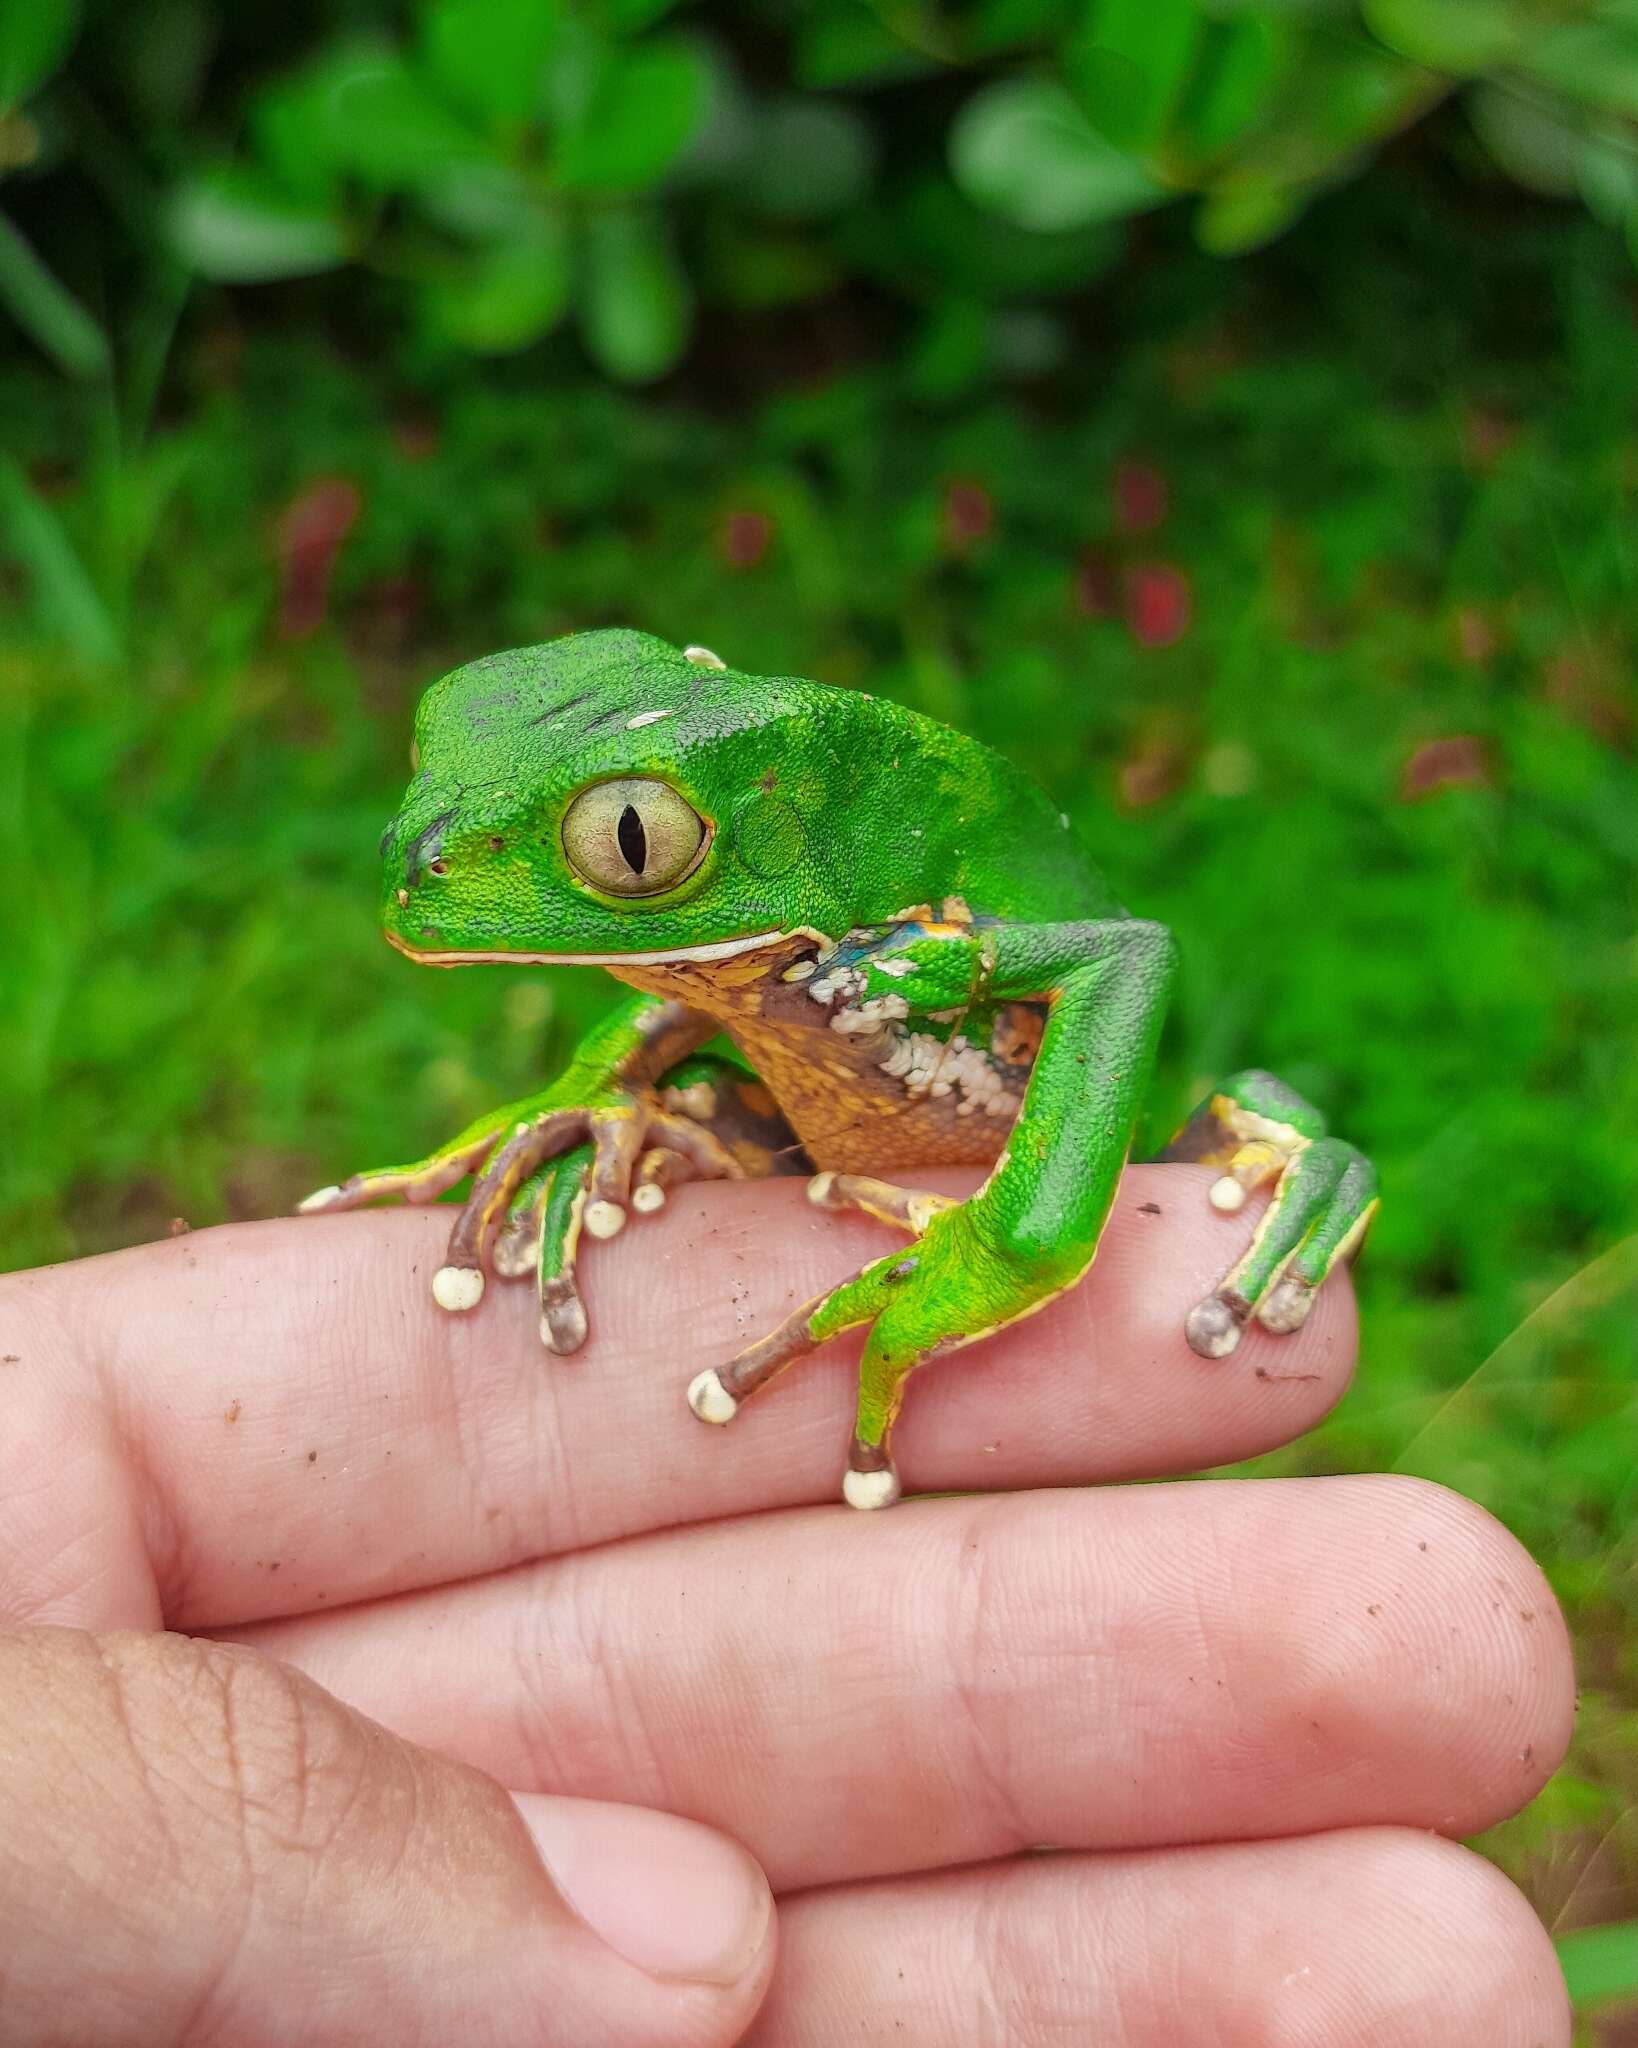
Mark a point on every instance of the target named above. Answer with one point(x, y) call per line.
point(710, 1399)
point(870, 1489)
point(457, 1288)
point(702, 657)
point(645, 718)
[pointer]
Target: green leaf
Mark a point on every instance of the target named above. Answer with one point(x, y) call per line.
point(46, 311)
point(238, 227)
point(1244, 215)
point(809, 159)
point(37, 538)
point(1446, 35)
point(1532, 142)
point(1596, 62)
point(1024, 149)
point(1128, 64)
point(641, 114)
point(934, 234)
point(634, 306)
point(1242, 66)
point(1607, 175)
point(508, 297)
point(489, 57)
point(35, 36)
point(380, 123)
point(486, 202)
point(847, 44)
point(1600, 1962)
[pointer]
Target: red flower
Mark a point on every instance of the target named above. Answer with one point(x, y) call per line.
point(1158, 604)
point(311, 532)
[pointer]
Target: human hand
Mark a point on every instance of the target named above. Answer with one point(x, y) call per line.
point(1245, 1712)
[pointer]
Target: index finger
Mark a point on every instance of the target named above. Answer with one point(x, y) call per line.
point(269, 1418)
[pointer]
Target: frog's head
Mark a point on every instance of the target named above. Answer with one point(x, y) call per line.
point(607, 796)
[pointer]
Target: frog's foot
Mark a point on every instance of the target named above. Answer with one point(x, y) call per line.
point(1261, 1131)
point(943, 1291)
point(545, 1173)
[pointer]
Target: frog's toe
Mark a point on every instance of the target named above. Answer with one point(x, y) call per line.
point(871, 1479)
point(710, 1399)
point(1322, 1206)
point(422, 1180)
point(457, 1288)
point(659, 1169)
point(909, 1209)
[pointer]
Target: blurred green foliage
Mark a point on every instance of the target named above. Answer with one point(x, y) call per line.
point(510, 166)
point(1307, 582)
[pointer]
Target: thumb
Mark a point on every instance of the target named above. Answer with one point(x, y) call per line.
point(199, 1845)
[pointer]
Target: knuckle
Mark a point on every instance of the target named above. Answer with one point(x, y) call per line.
point(244, 1745)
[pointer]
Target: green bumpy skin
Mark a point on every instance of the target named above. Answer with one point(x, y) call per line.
point(863, 943)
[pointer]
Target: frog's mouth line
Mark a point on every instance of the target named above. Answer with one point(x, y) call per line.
point(722, 949)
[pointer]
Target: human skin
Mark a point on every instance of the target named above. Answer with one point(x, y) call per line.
point(1245, 1714)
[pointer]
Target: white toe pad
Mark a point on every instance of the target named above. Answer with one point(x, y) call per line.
point(870, 1489)
point(457, 1288)
point(710, 1399)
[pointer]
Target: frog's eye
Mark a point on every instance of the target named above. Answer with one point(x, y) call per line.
point(633, 837)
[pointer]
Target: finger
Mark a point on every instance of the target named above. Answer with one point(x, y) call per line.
point(1374, 1939)
point(272, 1417)
point(1122, 1669)
point(305, 1876)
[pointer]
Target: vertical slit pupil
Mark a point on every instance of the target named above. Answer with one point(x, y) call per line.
point(633, 840)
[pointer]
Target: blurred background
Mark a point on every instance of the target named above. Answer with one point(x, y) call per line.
point(1227, 407)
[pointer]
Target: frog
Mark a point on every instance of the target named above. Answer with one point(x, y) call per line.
point(861, 945)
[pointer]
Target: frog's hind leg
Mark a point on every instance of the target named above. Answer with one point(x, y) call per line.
point(1259, 1130)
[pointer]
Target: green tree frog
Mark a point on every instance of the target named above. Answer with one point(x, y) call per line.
point(863, 944)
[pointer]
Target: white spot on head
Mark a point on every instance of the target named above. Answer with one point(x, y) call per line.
point(710, 1399)
point(1063, 819)
point(649, 1197)
point(702, 657)
point(645, 718)
point(1227, 1195)
point(605, 1219)
point(320, 1198)
point(870, 1489)
point(457, 1288)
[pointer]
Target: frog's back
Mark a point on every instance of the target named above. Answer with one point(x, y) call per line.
point(932, 807)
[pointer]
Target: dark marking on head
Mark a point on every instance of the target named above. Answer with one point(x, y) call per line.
point(770, 781)
point(557, 710)
point(385, 846)
point(425, 848)
point(603, 718)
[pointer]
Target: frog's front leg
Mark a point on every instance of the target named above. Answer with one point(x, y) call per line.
point(1259, 1131)
point(572, 1156)
point(1031, 1230)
